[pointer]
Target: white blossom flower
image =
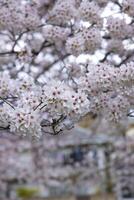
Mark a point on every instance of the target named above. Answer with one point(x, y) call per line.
point(25, 121)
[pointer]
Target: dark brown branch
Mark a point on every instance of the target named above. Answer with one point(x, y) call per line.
point(8, 53)
point(124, 61)
point(105, 57)
point(7, 102)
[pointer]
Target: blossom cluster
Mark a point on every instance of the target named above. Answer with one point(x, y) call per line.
point(28, 108)
point(56, 34)
point(17, 17)
point(90, 11)
point(62, 12)
point(87, 40)
point(118, 28)
point(45, 39)
point(109, 89)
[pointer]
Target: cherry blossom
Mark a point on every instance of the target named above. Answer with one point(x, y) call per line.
point(61, 60)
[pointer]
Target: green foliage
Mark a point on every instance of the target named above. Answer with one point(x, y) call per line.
point(26, 193)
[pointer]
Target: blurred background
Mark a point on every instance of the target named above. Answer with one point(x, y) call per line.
point(93, 161)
